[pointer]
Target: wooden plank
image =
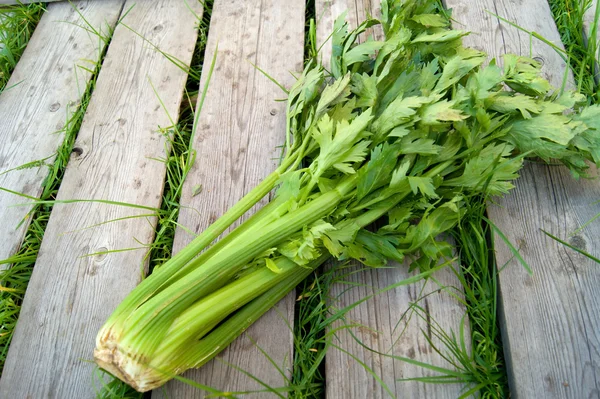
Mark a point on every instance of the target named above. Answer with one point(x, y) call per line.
point(35, 103)
point(551, 320)
point(388, 325)
point(71, 294)
point(240, 128)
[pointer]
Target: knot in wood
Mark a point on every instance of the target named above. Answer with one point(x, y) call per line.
point(539, 59)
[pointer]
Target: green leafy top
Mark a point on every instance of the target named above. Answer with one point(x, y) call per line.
point(416, 122)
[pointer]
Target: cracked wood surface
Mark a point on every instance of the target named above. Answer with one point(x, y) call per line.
point(550, 320)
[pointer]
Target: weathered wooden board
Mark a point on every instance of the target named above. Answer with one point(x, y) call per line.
point(36, 103)
point(240, 129)
point(388, 324)
point(551, 320)
point(71, 294)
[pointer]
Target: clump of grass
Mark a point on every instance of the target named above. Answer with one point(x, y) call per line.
point(18, 268)
point(313, 316)
point(479, 280)
point(17, 24)
point(310, 32)
point(112, 388)
point(569, 17)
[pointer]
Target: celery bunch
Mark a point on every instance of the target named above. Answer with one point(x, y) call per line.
point(399, 132)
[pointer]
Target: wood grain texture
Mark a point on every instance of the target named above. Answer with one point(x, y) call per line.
point(551, 320)
point(387, 323)
point(240, 128)
point(71, 292)
point(45, 83)
point(390, 325)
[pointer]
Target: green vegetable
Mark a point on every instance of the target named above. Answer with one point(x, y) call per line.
point(399, 132)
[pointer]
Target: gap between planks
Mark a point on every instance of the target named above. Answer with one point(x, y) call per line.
point(551, 320)
point(71, 294)
point(387, 323)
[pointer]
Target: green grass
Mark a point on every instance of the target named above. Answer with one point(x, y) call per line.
point(15, 278)
point(17, 24)
point(311, 321)
point(479, 281)
point(581, 50)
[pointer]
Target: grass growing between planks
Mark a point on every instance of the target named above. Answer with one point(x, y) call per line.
point(17, 24)
point(581, 50)
point(15, 278)
point(313, 317)
point(479, 281)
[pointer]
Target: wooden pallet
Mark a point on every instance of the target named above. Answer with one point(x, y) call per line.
point(550, 320)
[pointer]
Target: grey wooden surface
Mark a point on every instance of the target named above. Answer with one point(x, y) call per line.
point(42, 91)
point(550, 320)
point(71, 294)
point(239, 131)
point(388, 323)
